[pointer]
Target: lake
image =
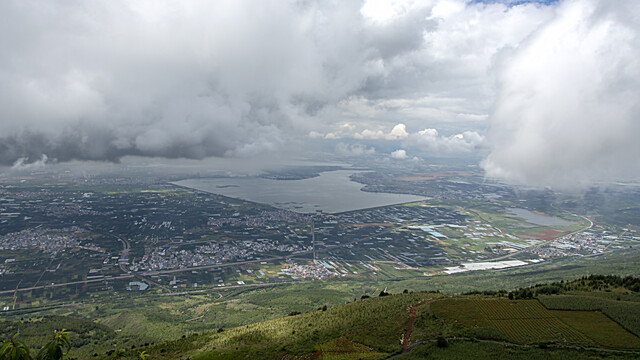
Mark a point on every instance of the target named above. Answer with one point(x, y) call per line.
point(538, 219)
point(331, 192)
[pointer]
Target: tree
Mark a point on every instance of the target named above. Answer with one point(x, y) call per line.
point(14, 349)
point(56, 348)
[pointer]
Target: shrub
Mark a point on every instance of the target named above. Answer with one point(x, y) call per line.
point(442, 342)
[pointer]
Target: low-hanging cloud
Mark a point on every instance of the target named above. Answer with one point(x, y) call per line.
point(568, 111)
point(354, 149)
point(103, 80)
point(398, 132)
point(399, 154)
point(429, 140)
point(21, 165)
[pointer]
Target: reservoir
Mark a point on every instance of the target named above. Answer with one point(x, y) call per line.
point(330, 192)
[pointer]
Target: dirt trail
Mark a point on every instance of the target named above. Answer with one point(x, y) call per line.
point(412, 318)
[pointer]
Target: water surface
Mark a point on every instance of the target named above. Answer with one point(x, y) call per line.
point(331, 192)
point(538, 219)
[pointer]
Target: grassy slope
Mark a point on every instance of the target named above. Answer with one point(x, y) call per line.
point(369, 328)
point(375, 325)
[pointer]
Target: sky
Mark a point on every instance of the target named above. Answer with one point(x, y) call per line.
point(544, 92)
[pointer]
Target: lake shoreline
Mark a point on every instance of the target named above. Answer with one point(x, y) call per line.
point(331, 192)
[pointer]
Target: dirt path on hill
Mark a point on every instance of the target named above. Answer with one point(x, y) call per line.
point(406, 338)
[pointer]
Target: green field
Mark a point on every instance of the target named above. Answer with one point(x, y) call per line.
point(520, 321)
point(625, 313)
point(528, 321)
point(599, 327)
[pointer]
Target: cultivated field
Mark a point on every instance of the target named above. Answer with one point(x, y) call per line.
point(625, 313)
point(527, 321)
point(599, 328)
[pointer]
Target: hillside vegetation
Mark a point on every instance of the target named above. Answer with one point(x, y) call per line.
point(451, 326)
point(377, 324)
point(592, 317)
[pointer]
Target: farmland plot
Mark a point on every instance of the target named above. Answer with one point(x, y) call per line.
point(625, 313)
point(599, 327)
point(521, 321)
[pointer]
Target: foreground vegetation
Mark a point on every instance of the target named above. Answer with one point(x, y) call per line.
point(443, 326)
point(54, 349)
point(552, 320)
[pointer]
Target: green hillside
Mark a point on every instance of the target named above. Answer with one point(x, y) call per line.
point(432, 325)
point(592, 317)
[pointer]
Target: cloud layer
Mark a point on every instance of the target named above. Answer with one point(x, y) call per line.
point(568, 111)
point(430, 141)
point(102, 80)
point(549, 88)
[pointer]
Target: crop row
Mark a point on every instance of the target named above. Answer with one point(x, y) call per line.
point(599, 327)
point(521, 321)
point(625, 313)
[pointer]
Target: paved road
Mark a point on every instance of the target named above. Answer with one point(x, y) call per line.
point(123, 276)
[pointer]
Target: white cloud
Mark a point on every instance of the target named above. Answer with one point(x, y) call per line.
point(354, 149)
point(567, 112)
point(431, 141)
point(102, 80)
point(398, 132)
point(369, 134)
point(425, 140)
point(399, 154)
point(344, 130)
point(190, 79)
point(385, 11)
point(194, 79)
